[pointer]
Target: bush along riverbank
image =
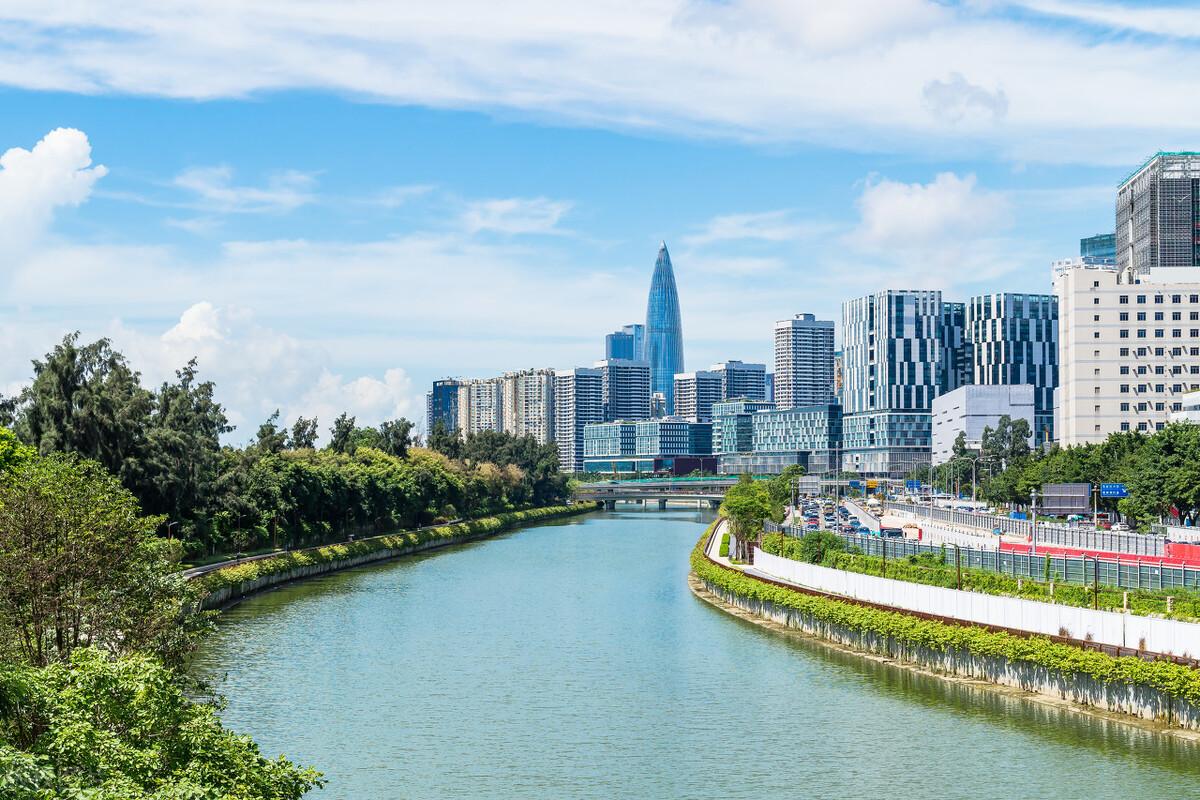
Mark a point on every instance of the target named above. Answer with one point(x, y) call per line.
point(1155, 690)
point(223, 586)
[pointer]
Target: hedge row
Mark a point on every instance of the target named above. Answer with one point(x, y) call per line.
point(1171, 679)
point(252, 570)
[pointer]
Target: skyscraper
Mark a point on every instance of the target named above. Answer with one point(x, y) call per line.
point(441, 405)
point(741, 379)
point(578, 402)
point(528, 404)
point(480, 406)
point(626, 388)
point(1014, 340)
point(1158, 214)
point(803, 361)
point(695, 393)
point(1101, 246)
point(664, 332)
point(628, 343)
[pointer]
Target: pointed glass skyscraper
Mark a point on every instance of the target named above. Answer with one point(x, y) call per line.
point(664, 334)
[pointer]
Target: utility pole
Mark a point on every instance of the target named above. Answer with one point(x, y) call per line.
point(1095, 506)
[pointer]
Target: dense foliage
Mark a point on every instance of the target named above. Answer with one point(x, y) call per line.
point(123, 728)
point(1162, 471)
point(164, 445)
point(236, 574)
point(1171, 679)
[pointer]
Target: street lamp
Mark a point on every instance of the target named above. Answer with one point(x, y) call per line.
point(169, 526)
point(1033, 521)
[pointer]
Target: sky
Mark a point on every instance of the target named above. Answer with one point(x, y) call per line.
point(330, 205)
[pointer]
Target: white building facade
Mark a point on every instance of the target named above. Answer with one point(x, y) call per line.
point(803, 361)
point(970, 409)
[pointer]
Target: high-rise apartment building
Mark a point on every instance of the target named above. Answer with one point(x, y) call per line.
point(1014, 340)
point(803, 361)
point(626, 388)
point(893, 367)
point(578, 402)
point(664, 331)
point(480, 406)
point(695, 393)
point(628, 343)
point(741, 379)
point(1158, 214)
point(441, 405)
point(528, 403)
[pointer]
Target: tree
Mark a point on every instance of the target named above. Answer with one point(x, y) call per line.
point(304, 434)
point(85, 399)
point(780, 487)
point(271, 438)
point(444, 440)
point(747, 506)
point(395, 437)
point(12, 452)
point(80, 565)
point(124, 727)
point(341, 435)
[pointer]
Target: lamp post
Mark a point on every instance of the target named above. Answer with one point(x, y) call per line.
point(1033, 521)
point(169, 526)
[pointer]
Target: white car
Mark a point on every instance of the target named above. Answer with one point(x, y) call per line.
point(1120, 527)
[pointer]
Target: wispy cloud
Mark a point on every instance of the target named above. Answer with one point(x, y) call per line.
point(766, 226)
point(857, 74)
point(215, 191)
point(515, 215)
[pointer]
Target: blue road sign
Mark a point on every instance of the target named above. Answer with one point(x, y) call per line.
point(1113, 490)
point(912, 485)
point(855, 484)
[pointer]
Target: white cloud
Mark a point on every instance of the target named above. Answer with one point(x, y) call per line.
point(34, 183)
point(865, 74)
point(215, 190)
point(767, 226)
point(900, 215)
point(258, 369)
point(515, 215)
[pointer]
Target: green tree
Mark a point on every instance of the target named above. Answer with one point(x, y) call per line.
point(124, 727)
point(304, 434)
point(395, 436)
point(85, 399)
point(780, 487)
point(341, 435)
point(12, 452)
point(444, 440)
point(747, 505)
point(79, 565)
point(271, 438)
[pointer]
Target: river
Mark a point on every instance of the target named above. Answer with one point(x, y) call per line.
point(570, 660)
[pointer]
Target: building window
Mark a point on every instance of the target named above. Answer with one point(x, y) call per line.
point(1176, 406)
point(1124, 316)
point(1142, 426)
point(1095, 334)
point(1124, 352)
point(1124, 388)
point(1095, 301)
point(1141, 334)
point(1176, 333)
point(1158, 315)
point(1176, 316)
point(1158, 298)
point(1124, 369)
point(1160, 387)
point(1141, 298)
point(1195, 315)
point(1124, 333)
point(1124, 426)
point(1158, 370)
point(1141, 351)
point(1158, 426)
point(1141, 315)
point(1176, 298)
point(1095, 284)
point(1160, 407)
point(1141, 370)
point(1195, 298)
point(1095, 317)
point(1176, 351)
point(1124, 406)
point(1124, 299)
point(1158, 333)
point(1142, 406)
point(1177, 388)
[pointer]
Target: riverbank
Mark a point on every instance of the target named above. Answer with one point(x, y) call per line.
point(1158, 693)
point(228, 585)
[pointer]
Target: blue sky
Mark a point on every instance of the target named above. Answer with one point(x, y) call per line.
point(332, 204)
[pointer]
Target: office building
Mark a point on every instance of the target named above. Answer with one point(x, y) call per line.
point(1014, 340)
point(733, 428)
point(892, 367)
point(578, 402)
point(695, 393)
point(741, 379)
point(626, 388)
point(814, 431)
point(664, 331)
point(769, 387)
point(441, 405)
point(528, 404)
point(970, 409)
point(955, 368)
point(628, 343)
point(1102, 246)
point(838, 378)
point(480, 406)
point(664, 445)
point(803, 361)
point(1129, 350)
point(1158, 215)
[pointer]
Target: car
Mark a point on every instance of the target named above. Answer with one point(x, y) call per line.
point(1120, 527)
point(891, 533)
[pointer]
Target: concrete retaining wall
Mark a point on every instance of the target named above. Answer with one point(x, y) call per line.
point(1138, 701)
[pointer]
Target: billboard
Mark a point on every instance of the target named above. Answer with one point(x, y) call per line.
point(1063, 499)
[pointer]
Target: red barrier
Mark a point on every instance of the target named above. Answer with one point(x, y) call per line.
point(1188, 554)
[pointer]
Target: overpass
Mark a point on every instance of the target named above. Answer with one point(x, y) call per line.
point(698, 491)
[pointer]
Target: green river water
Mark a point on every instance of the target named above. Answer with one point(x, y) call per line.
point(570, 660)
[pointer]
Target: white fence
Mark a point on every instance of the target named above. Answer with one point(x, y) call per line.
point(1165, 636)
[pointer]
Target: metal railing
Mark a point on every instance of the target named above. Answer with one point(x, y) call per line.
point(1116, 572)
point(1053, 535)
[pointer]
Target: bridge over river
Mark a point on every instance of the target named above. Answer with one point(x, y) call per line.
point(691, 491)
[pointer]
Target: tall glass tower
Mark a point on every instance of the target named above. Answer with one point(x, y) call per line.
point(664, 333)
